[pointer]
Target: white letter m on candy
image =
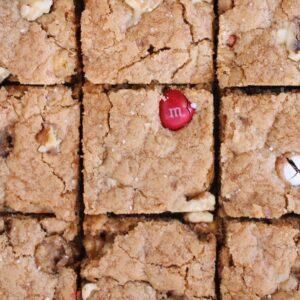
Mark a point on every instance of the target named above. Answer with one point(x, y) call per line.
point(175, 112)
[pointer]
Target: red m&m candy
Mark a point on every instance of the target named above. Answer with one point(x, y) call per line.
point(175, 110)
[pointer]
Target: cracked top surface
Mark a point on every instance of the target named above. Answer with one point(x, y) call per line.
point(137, 259)
point(260, 132)
point(134, 165)
point(168, 41)
point(261, 261)
point(42, 51)
point(259, 42)
point(36, 259)
point(39, 141)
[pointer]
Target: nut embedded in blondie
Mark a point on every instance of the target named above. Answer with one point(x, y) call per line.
point(39, 142)
point(37, 258)
point(38, 41)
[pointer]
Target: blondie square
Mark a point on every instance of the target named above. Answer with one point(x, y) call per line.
point(37, 259)
point(261, 261)
point(259, 43)
point(260, 156)
point(141, 41)
point(132, 164)
point(135, 258)
point(39, 141)
point(37, 41)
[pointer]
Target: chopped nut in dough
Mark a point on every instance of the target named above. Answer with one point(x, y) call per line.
point(141, 6)
point(53, 254)
point(33, 9)
point(35, 121)
point(289, 284)
point(201, 203)
point(87, 289)
point(288, 35)
point(22, 272)
point(48, 140)
point(197, 217)
point(4, 73)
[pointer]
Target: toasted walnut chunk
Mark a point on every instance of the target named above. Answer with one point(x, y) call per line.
point(289, 35)
point(141, 6)
point(53, 254)
point(48, 139)
point(33, 9)
point(4, 73)
point(88, 289)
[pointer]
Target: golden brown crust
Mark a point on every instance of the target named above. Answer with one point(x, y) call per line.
point(170, 42)
point(153, 258)
point(39, 175)
point(42, 51)
point(36, 262)
point(259, 132)
point(257, 43)
point(260, 261)
point(134, 165)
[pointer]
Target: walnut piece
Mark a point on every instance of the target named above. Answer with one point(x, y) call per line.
point(289, 35)
point(203, 202)
point(53, 254)
point(48, 140)
point(141, 6)
point(33, 9)
point(196, 209)
point(87, 290)
point(197, 217)
point(4, 73)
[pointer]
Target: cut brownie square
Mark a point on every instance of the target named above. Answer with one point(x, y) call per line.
point(261, 261)
point(39, 141)
point(37, 259)
point(136, 258)
point(259, 43)
point(260, 155)
point(38, 41)
point(136, 41)
point(132, 164)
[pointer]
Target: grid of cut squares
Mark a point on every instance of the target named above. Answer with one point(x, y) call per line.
point(132, 165)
